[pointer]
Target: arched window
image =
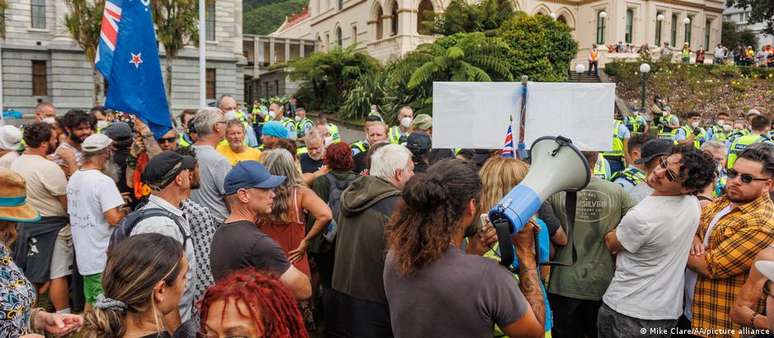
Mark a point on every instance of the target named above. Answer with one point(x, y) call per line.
point(629, 36)
point(424, 15)
point(394, 19)
point(379, 23)
point(339, 40)
point(562, 19)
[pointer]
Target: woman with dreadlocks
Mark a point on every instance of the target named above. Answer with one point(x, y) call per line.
point(248, 303)
point(433, 288)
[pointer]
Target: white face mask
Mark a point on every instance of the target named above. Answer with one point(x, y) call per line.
point(406, 122)
point(272, 114)
point(695, 124)
point(328, 141)
point(727, 127)
point(298, 118)
point(721, 122)
point(51, 120)
point(102, 124)
point(230, 115)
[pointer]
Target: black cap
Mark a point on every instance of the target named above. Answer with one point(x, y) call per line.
point(119, 132)
point(419, 143)
point(654, 148)
point(164, 167)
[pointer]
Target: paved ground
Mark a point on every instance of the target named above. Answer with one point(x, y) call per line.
point(350, 135)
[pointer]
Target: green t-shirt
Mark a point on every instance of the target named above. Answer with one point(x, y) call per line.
point(600, 207)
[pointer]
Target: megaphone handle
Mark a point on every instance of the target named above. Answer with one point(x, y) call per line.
point(503, 229)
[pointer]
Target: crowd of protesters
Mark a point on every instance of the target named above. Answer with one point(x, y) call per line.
point(267, 224)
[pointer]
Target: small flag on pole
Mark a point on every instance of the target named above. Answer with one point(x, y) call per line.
point(129, 58)
point(508, 150)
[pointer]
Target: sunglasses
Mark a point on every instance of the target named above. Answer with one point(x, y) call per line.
point(671, 176)
point(746, 178)
point(167, 140)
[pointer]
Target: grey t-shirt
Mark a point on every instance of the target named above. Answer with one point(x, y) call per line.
point(213, 168)
point(458, 295)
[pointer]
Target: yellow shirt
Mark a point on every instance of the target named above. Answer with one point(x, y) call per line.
point(250, 154)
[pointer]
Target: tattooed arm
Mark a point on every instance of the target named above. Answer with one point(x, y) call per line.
point(532, 324)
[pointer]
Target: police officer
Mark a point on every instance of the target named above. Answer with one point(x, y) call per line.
point(288, 123)
point(693, 131)
point(399, 133)
point(616, 156)
point(718, 131)
point(303, 123)
point(636, 123)
point(670, 125)
point(760, 133)
point(333, 130)
point(362, 146)
point(187, 133)
point(635, 173)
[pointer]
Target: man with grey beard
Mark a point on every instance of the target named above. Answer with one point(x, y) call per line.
point(95, 208)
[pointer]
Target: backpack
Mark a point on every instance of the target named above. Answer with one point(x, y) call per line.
point(324, 242)
point(125, 227)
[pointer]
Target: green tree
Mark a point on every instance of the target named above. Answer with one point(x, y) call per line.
point(84, 23)
point(463, 17)
point(760, 11)
point(731, 37)
point(327, 77)
point(3, 7)
point(176, 24)
point(459, 57)
point(267, 17)
point(541, 47)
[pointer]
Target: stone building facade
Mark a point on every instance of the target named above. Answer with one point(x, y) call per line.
point(390, 28)
point(40, 62)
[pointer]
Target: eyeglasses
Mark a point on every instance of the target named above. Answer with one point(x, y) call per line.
point(746, 178)
point(166, 140)
point(671, 176)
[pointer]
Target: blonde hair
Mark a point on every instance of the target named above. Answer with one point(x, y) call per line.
point(280, 162)
point(498, 176)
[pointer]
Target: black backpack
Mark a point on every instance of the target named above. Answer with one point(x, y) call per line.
point(324, 242)
point(125, 227)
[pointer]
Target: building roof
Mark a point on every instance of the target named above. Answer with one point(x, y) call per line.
point(293, 20)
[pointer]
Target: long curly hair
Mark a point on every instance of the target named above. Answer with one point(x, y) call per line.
point(270, 303)
point(429, 212)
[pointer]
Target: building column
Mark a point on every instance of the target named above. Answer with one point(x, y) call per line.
point(287, 50)
point(257, 55)
point(301, 45)
point(272, 57)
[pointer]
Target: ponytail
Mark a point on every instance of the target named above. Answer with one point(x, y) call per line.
point(429, 212)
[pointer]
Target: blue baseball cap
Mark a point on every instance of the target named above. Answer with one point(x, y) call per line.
point(274, 128)
point(250, 174)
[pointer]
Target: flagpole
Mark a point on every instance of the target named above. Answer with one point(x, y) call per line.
point(202, 56)
point(522, 151)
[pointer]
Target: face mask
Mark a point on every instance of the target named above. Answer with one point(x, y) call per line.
point(405, 122)
point(328, 141)
point(49, 120)
point(721, 122)
point(298, 118)
point(727, 127)
point(102, 124)
point(230, 115)
point(272, 114)
point(635, 112)
point(695, 124)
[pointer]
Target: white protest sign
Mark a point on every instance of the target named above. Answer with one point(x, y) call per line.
point(476, 114)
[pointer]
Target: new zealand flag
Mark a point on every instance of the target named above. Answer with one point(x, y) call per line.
point(128, 57)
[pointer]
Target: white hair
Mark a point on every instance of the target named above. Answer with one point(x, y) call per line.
point(389, 159)
point(712, 145)
point(205, 119)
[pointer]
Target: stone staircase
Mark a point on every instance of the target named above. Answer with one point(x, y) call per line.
point(583, 77)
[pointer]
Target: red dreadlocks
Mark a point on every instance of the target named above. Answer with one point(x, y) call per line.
point(262, 294)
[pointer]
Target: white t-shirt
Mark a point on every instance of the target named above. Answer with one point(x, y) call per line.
point(90, 193)
point(657, 236)
point(8, 159)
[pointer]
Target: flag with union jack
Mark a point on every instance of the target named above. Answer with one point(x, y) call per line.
point(508, 150)
point(108, 36)
point(128, 57)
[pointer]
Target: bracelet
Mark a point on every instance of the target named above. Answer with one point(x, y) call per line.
point(31, 321)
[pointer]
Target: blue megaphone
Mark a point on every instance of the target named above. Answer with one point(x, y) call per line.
point(557, 165)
